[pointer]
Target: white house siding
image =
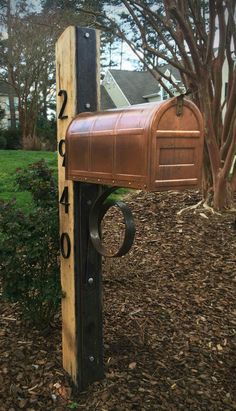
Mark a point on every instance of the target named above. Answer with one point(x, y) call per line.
point(4, 104)
point(114, 91)
point(225, 74)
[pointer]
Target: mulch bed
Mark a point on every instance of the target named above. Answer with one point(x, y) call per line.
point(169, 322)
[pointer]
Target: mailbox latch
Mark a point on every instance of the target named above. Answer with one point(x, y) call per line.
point(179, 105)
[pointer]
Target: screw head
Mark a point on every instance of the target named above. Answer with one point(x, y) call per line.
point(90, 280)
point(86, 35)
point(87, 105)
point(91, 358)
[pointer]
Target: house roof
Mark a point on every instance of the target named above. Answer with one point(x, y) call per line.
point(135, 84)
point(173, 71)
point(106, 101)
point(4, 88)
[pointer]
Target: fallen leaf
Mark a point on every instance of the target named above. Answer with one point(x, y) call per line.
point(65, 392)
point(132, 365)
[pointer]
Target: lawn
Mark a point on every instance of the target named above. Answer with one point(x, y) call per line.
point(13, 159)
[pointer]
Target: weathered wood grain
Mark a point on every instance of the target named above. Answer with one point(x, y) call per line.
point(66, 80)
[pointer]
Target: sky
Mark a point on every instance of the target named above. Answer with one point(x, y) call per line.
point(129, 60)
point(128, 57)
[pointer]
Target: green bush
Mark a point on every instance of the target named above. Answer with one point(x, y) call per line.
point(3, 142)
point(12, 137)
point(29, 248)
point(38, 179)
point(47, 132)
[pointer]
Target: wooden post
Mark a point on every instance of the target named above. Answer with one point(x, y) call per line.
point(78, 85)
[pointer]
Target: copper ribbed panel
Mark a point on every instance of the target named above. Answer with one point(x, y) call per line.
point(145, 146)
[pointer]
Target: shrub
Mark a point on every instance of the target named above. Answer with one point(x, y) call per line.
point(39, 181)
point(47, 131)
point(12, 137)
point(31, 143)
point(3, 142)
point(29, 248)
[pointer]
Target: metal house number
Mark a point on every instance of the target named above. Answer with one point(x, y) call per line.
point(61, 114)
point(65, 243)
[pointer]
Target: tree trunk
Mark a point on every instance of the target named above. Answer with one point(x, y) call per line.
point(27, 119)
point(223, 193)
point(9, 68)
point(233, 183)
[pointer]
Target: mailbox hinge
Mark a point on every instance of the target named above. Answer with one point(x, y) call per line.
point(179, 105)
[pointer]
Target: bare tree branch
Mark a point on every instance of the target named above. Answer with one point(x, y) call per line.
point(211, 33)
point(185, 27)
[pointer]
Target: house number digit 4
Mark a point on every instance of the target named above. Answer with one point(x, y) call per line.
point(64, 200)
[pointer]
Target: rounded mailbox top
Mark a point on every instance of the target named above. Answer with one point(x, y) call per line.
point(176, 113)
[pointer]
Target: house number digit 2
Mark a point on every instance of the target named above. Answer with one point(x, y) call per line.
point(64, 94)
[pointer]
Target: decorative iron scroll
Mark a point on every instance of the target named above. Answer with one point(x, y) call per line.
point(98, 211)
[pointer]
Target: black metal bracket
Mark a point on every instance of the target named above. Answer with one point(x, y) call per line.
point(98, 211)
point(179, 105)
point(88, 284)
point(88, 272)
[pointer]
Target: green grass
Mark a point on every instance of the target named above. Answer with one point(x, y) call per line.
point(10, 160)
point(120, 194)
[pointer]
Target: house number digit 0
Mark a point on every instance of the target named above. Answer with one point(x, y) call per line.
point(61, 114)
point(65, 245)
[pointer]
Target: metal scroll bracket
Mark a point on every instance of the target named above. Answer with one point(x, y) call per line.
point(98, 211)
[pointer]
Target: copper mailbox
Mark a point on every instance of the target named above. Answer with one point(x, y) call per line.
point(153, 146)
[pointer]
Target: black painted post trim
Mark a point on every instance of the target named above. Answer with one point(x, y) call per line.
point(88, 273)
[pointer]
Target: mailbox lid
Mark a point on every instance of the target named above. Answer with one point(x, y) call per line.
point(111, 147)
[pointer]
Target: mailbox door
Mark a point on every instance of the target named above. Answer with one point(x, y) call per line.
point(177, 148)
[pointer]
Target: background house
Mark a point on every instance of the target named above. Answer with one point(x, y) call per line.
point(122, 88)
point(4, 104)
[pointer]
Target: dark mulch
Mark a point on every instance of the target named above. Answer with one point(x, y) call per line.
point(169, 322)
